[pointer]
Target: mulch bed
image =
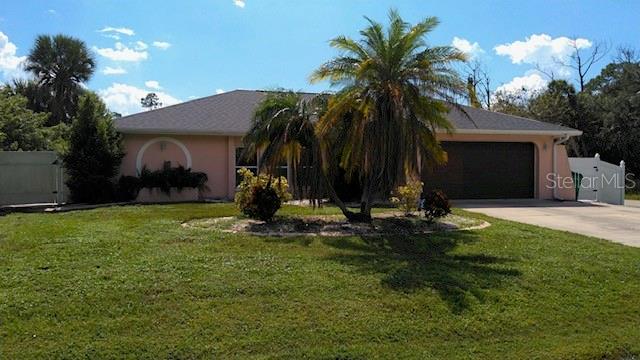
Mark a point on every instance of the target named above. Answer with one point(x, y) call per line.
point(388, 223)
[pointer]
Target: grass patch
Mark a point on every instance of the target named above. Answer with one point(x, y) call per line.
point(131, 282)
point(632, 196)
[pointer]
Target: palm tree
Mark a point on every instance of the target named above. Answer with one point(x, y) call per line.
point(38, 98)
point(396, 92)
point(284, 131)
point(394, 96)
point(60, 65)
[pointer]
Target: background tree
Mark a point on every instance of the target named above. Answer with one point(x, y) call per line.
point(56, 136)
point(512, 102)
point(607, 111)
point(581, 61)
point(471, 93)
point(38, 97)
point(95, 152)
point(20, 128)
point(151, 101)
point(561, 104)
point(60, 64)
point(614, 100)
point(478, 78)
point(557, 104)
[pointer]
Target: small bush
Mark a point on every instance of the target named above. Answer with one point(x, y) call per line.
point(260, 197)
point(436, 205)
point(408, 196)
point(92, 189)
point(265, 203)
point(127, 188)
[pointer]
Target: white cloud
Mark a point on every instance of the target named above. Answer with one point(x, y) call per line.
point(119, 30)
point(219, 91)
point(140, 45)
point(125, 99)
point(112, 36)
point(114, 71)
point(9, 62)
point(162, 45)
point(541, 49)
point(531, 82)
point(122, 53)
point(152, 84)
point(239, 3)
point(464, 45)
point(52, 12)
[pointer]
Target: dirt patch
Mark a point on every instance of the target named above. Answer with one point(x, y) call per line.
point(388, 223)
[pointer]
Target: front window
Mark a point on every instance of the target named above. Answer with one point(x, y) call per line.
point(282, 170)
point(250, 162)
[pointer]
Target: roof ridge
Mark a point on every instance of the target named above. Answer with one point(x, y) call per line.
point(178, 104)
point(279, 91)
point(214, 95)
point(515, 116)
point(232, 111)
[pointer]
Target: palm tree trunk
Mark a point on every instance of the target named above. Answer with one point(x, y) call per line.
point(366, 202)
point(331, 192)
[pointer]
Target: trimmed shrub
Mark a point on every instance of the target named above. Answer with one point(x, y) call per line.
point(260, 197)
point(127, 188)
point(436, 205)
point(169, 177)
point(408, 196)
point(91, 189)
point(265, 203)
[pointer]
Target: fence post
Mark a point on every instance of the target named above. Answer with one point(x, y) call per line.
point(596, 168)
point(623, 188)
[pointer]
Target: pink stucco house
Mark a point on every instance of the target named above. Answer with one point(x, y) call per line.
point(491, 155)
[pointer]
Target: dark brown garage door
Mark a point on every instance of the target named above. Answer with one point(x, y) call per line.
point(485, 170)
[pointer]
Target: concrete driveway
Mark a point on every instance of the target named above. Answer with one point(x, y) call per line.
point(620, 224)
point(632, 203)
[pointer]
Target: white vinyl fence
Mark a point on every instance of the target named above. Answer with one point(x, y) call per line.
point(601, 181)
point(31, 177)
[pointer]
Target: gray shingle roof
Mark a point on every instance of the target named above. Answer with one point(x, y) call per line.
point(480, 119)
point(231, 113)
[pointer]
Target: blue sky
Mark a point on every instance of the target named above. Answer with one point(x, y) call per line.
point(195, 48)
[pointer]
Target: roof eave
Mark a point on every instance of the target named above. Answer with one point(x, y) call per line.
point(178, 132)
point(559, 132)
point(567, 132)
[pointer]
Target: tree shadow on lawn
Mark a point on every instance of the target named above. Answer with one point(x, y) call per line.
point(410, 263)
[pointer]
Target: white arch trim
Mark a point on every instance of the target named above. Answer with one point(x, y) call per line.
point(144, 147)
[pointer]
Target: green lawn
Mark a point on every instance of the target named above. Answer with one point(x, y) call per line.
point(632, 196)
point(130, 282)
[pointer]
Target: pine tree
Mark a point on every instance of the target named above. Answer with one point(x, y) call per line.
point(151, 101)
point(95, 153)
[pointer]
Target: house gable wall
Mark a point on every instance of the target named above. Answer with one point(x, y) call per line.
point(215, 156)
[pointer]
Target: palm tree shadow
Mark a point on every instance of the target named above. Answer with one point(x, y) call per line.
point(410, 263)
